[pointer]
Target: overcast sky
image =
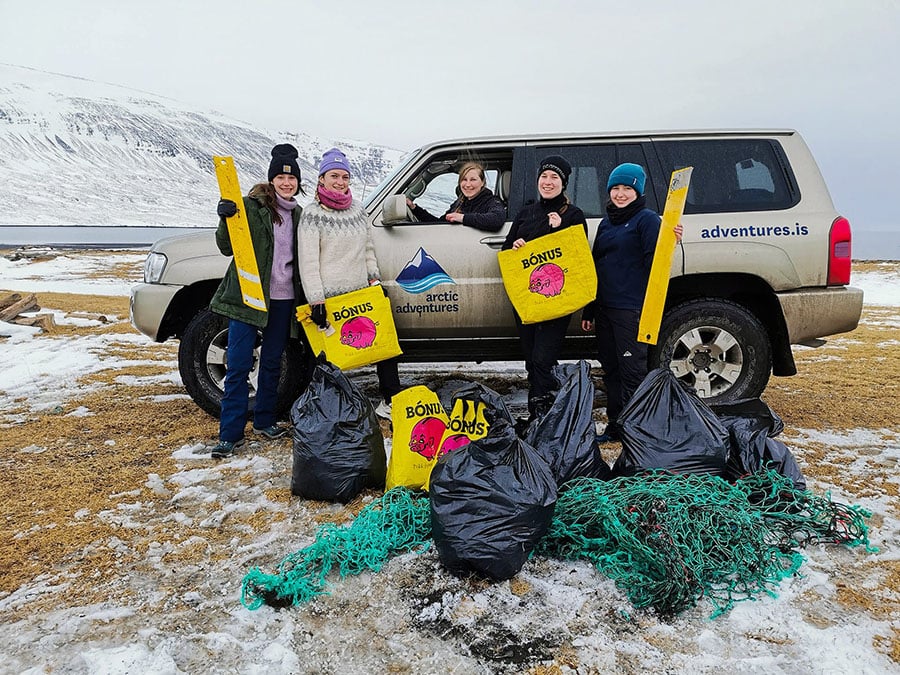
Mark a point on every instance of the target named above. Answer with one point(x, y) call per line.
point(402, 73)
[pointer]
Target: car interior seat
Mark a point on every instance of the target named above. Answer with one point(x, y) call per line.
point(503, 181)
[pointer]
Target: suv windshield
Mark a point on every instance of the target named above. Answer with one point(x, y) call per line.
point(404, 161)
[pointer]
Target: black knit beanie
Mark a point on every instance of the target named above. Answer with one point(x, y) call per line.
point(284, 160)
point(559, 166)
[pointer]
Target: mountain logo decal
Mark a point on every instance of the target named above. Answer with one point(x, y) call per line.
point(422, 273)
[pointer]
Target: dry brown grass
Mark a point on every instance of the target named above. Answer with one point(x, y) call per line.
point(58, 466)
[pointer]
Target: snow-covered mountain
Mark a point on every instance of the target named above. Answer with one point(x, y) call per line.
point(80, 152)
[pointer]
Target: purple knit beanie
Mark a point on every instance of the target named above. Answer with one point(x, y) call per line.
point(333, 159)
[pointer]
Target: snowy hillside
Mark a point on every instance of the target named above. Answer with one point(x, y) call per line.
point(79, 152)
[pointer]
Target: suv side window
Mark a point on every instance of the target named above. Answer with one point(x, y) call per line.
point(442, 191)
point(591, 166)
point(435, 186)
point(730, 174)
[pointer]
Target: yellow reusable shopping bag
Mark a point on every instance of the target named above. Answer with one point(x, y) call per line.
point(466, 424)
point(361, 329)
point(550, 276)
point(419, 422)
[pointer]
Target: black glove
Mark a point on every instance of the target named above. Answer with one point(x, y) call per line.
point(226, 208)
point(318, 316)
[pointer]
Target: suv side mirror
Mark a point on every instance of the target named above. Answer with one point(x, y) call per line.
point(395, 211)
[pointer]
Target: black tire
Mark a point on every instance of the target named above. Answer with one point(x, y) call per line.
point(717, 347)
point(201, 362)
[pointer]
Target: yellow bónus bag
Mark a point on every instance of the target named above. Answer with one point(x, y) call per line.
point(466, 424)
point(550, 276)
point(420, 423)
point(360, 331)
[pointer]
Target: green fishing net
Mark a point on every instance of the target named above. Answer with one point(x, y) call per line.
point(666, 540)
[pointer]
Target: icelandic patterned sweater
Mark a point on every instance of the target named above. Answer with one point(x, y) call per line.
point(335, 251)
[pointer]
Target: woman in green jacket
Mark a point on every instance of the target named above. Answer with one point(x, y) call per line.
point(272, 214)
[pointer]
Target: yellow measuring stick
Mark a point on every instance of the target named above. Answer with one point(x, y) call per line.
point(658, 285)
point(239, 233)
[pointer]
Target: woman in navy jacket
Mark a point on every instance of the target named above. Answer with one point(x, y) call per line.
point(623, 254)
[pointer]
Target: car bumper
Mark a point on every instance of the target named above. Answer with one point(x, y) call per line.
point(152, 300)
point(816, 313)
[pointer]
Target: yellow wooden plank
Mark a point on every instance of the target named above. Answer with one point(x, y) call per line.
point(239, 233)
point(658, 284)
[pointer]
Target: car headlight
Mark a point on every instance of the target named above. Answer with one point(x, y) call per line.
point(154, 266)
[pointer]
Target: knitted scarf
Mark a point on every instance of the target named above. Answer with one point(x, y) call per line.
point(339, 201)
point(617, 215)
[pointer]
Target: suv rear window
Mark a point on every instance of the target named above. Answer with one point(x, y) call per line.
point(731, 174)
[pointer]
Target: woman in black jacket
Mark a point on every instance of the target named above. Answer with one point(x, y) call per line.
point(542, 342)
point(476, 206)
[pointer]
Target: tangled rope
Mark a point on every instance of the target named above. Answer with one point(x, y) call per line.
point(666, 540)
point(396, 523)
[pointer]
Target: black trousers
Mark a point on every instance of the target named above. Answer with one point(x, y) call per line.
point(541, 346)
point(388, 378)
point(623, 358)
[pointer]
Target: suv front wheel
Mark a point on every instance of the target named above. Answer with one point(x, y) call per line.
point(717, 347)
point(201, 363)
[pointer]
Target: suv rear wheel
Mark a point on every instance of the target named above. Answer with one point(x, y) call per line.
point(717, 347)
point(201, 363)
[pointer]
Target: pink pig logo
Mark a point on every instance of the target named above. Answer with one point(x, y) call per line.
point(426, 436)
point(454, 442)
point(548, 280)
point(358, 332)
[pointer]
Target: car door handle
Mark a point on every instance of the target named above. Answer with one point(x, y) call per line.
point(492, 242)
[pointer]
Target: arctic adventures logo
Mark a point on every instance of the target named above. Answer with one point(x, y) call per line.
point(420, 275)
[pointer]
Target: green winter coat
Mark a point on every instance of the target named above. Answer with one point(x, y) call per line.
point(228, 300)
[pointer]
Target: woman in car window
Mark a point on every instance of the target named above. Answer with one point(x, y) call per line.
point(476, 206)
point(623, 254)
point(542, 342)
point(337, 254)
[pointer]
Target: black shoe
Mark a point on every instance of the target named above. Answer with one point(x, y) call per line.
point(227, 448)
point(540, 405)
point(272, 432)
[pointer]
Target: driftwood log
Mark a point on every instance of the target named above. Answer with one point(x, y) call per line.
point(13, 304)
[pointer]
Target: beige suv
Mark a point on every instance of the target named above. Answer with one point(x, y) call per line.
point(764, 263)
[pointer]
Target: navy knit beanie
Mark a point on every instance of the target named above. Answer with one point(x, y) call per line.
point(284, 160)
point(631, 175)
point(558, 165)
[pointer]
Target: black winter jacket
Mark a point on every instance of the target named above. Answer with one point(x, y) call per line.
point(532, 221)
point(484, 212)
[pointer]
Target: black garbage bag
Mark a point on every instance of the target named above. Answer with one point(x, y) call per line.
point(665, 425)
point(752, 426)
point(491, 503)
point(566, 436)
point(338, 446)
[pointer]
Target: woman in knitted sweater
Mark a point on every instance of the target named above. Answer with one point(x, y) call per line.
point(337, 255)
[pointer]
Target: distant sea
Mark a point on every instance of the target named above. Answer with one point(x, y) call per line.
point(876, 244)
point(867, 244)
point(86, 236)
